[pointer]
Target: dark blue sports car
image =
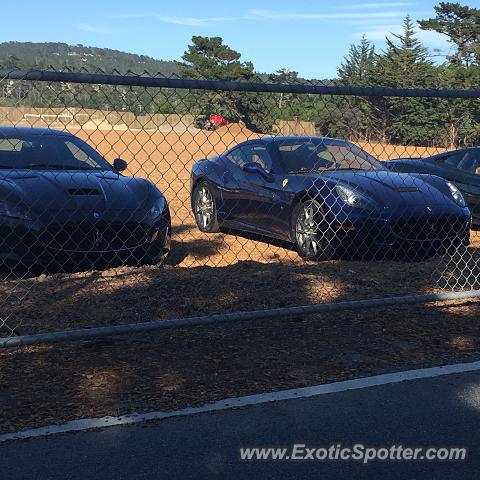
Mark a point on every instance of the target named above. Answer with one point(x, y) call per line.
point(462, 167)
point(61, 201)
point(323, 195)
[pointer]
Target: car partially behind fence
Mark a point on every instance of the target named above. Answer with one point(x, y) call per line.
point(327, 196)
point(61, 202)
point(462, 167)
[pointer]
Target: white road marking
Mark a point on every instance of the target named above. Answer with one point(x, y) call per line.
point(359, 383)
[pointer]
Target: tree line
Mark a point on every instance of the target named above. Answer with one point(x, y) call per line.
point(404, 63)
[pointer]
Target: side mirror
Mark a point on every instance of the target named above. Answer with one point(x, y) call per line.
point(119, 165)
point(254, 167)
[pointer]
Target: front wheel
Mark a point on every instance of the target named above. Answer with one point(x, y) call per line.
point(312, 233)
point(204, 208)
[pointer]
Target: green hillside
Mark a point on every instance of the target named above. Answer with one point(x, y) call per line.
point(61, 56)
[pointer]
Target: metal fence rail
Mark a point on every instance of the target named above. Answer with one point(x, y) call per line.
point(312, 88)
point(306, 212)
point(130, 328)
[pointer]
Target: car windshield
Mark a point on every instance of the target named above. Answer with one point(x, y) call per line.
point(49, 152)
point(320, 154)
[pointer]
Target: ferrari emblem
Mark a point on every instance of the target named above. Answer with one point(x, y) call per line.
point(285, 181)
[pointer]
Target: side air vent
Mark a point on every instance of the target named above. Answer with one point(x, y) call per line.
point(84, 191)
point(407, 189)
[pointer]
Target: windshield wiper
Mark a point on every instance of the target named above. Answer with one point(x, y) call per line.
point(349, 168)
point(301, 170)
point(53, 166)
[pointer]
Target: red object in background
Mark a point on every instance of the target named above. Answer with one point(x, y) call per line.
point(218, 121)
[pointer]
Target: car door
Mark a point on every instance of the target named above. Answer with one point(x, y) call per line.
point(265, 192)
point(248, 197)
point(230, 207)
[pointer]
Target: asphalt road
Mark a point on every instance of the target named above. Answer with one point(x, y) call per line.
point(435, 412)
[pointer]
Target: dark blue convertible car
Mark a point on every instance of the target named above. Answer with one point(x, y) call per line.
point(325, 195)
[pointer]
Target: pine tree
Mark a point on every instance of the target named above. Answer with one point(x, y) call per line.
point(356, 67)
point(406, 64)
point(284, 75)
point(355, 70)
point(462, 25)
point(209, 58)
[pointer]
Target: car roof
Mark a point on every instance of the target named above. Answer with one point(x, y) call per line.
point(6, 131)
point(460, 150)
point(285, 138)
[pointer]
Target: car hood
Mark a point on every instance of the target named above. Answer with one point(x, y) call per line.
point(73, 191)
point(392, 189)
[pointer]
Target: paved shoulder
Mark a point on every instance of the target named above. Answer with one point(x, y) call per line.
point(438, 412)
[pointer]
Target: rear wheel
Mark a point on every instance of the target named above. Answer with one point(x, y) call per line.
point(312, 233)
point(204, 208)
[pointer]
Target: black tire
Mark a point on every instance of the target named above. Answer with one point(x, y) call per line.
point(205, 208)
point(312, 233)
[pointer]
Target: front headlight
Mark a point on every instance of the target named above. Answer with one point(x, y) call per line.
point(456, 194)
point(157, 207)
point(353, 198)
point(13, 211)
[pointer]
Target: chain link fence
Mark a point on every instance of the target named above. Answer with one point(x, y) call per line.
point(135, 198)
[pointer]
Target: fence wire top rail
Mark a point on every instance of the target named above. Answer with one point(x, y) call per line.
point(227, 85)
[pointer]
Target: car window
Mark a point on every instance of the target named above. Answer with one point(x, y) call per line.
point(260, 155)
point(11, 145)
point(238, 156)
point(451, 160)
point(56, 152)
point(465, 161)
point(80, 155)
point(251, 154)
point(470, 162)
point(319, 154)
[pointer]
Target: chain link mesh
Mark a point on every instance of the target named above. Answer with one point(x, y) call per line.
point(308, 210)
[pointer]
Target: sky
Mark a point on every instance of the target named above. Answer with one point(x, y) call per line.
point(310, 37)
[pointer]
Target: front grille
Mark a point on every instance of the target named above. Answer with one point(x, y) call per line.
point(95, 237)
point(430, 228)
point(407, 189)
point(83, 191)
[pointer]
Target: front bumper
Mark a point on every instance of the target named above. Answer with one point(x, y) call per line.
point(419, 228)
point(82, 238)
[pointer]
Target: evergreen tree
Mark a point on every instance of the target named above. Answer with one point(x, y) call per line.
point(284, 75)
point(210, 58)
point(405, 64)
point(462, 25)
point(357, 66)
point(355, 70)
